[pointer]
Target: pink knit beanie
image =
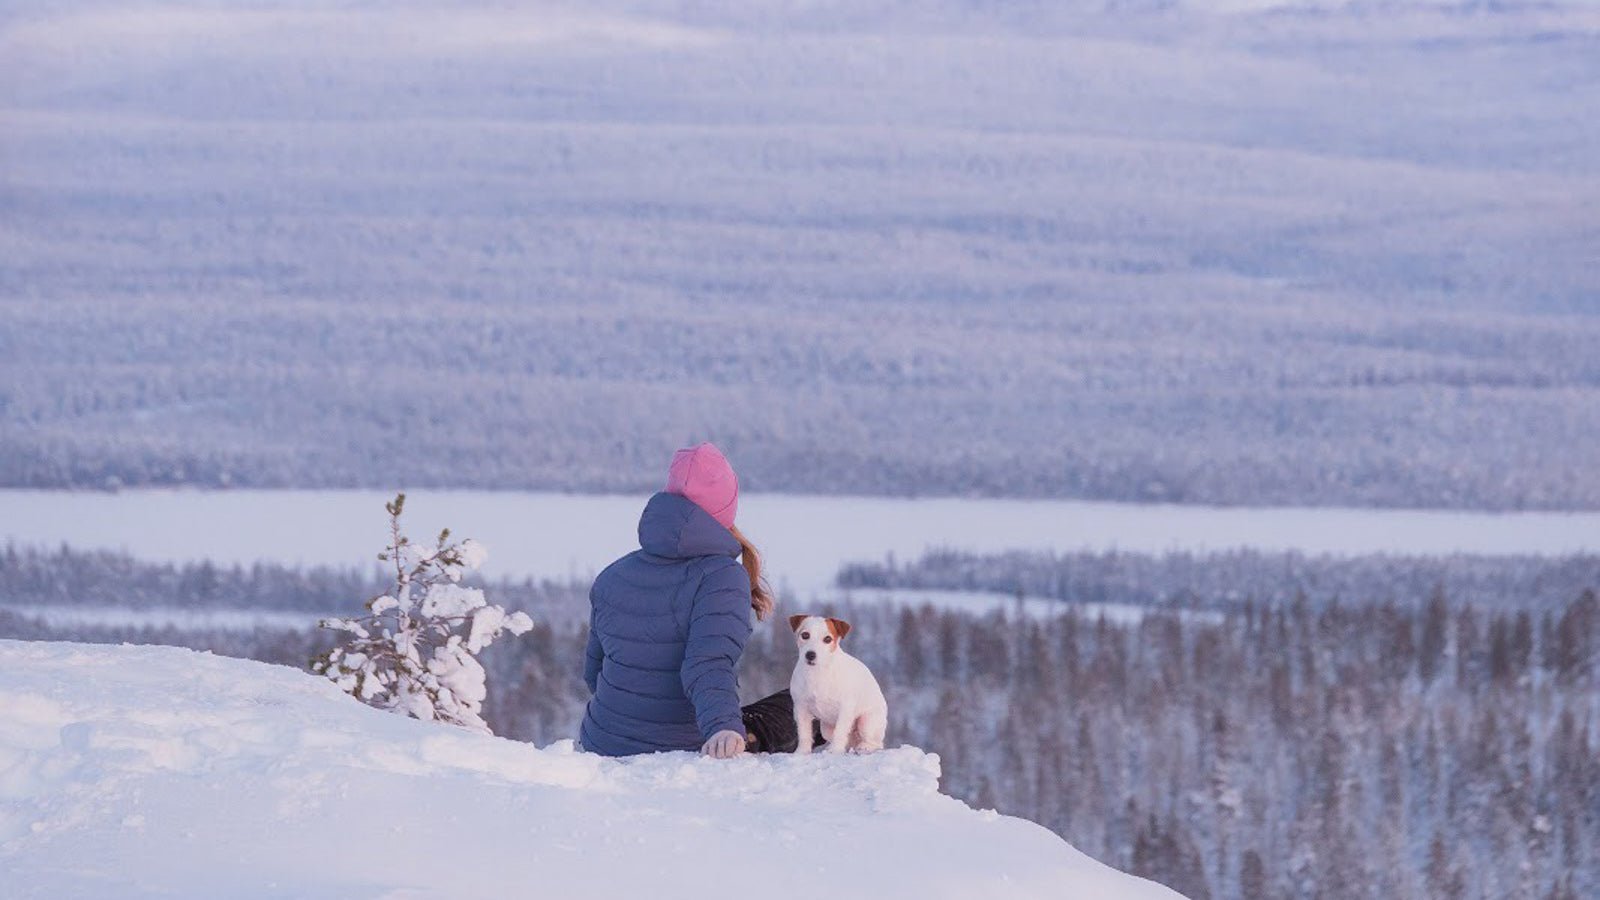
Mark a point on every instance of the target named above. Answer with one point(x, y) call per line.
point(703, 475)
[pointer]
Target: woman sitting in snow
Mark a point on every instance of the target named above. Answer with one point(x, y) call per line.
point(668, 623)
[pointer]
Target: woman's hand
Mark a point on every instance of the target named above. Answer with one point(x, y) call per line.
point(724, 745)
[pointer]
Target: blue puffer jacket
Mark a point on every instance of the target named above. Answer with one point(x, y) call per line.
point(667, 625)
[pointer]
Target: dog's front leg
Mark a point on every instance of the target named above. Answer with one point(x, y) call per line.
point(802, 721)
point(840, 742)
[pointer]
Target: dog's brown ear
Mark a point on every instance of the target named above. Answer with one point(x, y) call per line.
point(794, 622)
point(839, 627)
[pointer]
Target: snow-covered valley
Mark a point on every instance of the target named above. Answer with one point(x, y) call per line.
point(1190, 405)
point(155, 771)
point(1335, 253)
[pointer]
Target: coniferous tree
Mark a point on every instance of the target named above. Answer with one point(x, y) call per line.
point(1252, 877)
point(415, 652)
point(1576, 636)
point(1435, 637)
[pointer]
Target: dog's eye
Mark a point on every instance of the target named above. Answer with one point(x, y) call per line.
point(828, 639)
point(805, 635)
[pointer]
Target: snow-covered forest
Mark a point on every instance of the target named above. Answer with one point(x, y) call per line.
point(1194, 252)
point(1304, 743)
point(1232, 580)
point(1059, 397)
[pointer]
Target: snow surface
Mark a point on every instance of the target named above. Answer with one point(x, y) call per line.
point(156, 771)
point(804, 539)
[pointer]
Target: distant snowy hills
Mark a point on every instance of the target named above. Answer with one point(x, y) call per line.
point(152, 771)
point(1140, 250)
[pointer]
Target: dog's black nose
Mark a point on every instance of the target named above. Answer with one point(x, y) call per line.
point(811, 656)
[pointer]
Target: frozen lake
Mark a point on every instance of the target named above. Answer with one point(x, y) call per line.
point(804, 538)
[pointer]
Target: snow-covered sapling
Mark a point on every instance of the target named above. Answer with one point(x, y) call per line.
point(415, 651)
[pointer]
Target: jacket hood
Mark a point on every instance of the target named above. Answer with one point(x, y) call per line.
point(676, 527)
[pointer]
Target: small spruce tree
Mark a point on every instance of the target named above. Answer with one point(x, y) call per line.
point(414, 652)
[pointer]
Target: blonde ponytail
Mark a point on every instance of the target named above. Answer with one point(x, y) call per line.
point(761, 599)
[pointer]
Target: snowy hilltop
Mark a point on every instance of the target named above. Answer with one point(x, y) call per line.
point(142, 771)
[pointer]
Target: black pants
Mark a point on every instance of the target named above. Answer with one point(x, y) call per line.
point(769, 725)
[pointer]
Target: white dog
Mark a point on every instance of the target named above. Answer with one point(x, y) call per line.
point(833, 687)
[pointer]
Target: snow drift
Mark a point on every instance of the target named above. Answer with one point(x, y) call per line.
point(143, 771)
